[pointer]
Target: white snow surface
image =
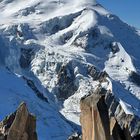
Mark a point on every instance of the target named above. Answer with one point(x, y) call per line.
point(74, 32)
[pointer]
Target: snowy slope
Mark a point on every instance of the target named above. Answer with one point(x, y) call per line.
point(14, 90)
point(54, 43)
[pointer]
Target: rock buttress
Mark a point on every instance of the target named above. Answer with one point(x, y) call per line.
point(19, 126)
point(94, 119)
point(102, 118)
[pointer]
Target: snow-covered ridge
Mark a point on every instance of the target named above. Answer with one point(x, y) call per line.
point(26, 11)
point(59, 45)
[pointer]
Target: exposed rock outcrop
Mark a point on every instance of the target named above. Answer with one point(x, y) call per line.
point(94, 127)
point(135, 77)
point(114, 46)
point(66, 86)
point(102, 118)
point(19, 126)
point(26, 57)
point(31, 84)
point(96, 74)
point(75, 136)
point(128, 125)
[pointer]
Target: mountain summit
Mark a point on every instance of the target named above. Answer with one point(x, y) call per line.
point(54, 53)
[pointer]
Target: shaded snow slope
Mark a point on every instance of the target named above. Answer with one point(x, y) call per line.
point(14, 90)
point(57, 46)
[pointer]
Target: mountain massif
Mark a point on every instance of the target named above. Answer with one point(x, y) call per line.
point(75, 65)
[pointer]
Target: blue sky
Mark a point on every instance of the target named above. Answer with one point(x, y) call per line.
point(127, 10)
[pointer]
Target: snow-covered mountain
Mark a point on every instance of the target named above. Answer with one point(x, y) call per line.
point(48, 53)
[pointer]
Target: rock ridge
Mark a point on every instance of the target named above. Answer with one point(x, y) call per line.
point(103, 118)
point(20, 125)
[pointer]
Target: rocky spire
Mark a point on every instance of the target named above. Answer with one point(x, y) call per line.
point(20, 125)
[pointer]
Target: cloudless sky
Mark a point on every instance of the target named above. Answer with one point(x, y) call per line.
point(126, 10)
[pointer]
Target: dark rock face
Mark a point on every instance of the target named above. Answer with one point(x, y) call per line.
point(75, 136)
point(128, 123)
point(114, 47)
point(66, 86)
point(102, 118)
point(26, 57)
point(96, 74)
point(31, 84)
point(19, 126)
point(135, 77)
point(137, 137)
